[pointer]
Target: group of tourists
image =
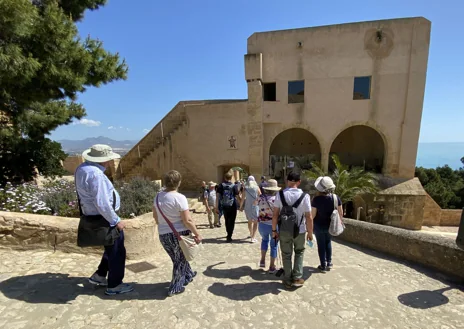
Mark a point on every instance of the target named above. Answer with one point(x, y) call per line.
point(284, 218)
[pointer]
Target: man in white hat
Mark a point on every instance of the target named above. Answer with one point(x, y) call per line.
point(97, 197)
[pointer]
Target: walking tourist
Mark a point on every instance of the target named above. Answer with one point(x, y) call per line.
point(210, 204)
point(322, 208)
point(249, 203)
point(219, 210)
point(266, 210)
point(292, 213)
point(172, 206)
point(98, 199)
point(226, 197)
point(263, 184)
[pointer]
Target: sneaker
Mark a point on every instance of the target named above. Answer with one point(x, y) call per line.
point(262, 264)
point(170, 294)
point(287, 285)
point(211, 226)
point(321, 268)
point(229, 240)
point(123, 288)
point(272, 270)
point(98, 280)
point(298, 283)
point(253, 240)
point(329, 266)
point(187, 282)
point(218, 225)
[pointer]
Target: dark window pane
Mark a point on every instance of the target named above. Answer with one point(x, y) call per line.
point(296, 91)
point(362, 88)
point(269, 92)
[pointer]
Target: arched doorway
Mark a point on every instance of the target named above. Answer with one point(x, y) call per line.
point(360, 146)
point(292, 149)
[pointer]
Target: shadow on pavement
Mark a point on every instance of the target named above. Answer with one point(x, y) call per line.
point(222, 240)
point(59, 288)
point(424, 299)
point(254, 274)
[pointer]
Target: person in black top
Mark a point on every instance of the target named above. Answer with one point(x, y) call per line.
point(226, 199)
point(322, 208)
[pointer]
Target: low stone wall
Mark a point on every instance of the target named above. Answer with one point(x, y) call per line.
point(450, 217)
point(28, 231)
point(433, 251)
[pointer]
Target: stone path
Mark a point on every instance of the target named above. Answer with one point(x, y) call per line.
point(365, 290)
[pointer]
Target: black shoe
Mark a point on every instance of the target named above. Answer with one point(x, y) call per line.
point(329, 266)
point(170, 294)
point(321, 268)
point(229, 239)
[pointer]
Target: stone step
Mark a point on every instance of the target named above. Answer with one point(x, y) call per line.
point(196, 206)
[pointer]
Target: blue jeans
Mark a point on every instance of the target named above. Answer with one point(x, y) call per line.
point(324, 247)
point(265, 230)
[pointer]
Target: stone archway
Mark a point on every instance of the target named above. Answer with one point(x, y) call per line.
point(293, 149)
point(360, 146)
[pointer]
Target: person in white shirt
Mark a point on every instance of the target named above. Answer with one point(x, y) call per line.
point(175, 207)
point(293, 241)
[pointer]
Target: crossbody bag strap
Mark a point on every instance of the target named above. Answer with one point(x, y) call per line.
point(334, 197)
point(167, 220)
point(78, 198)
point(282, 198)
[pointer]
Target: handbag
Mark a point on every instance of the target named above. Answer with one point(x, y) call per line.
point(189, 247)
point(336, 225)
point(95, 231)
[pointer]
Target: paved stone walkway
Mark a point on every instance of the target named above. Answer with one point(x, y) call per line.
point(365, 290)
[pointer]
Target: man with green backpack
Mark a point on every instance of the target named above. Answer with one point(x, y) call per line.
point(292, 216)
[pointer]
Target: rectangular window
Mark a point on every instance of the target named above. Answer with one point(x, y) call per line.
point(362, 88)
point(296, 91)
point(269, 92)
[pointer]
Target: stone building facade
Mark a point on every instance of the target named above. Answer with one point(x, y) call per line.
point(355, 90)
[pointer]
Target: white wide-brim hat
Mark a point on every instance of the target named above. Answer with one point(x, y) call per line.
point(272, 185)
point(100, 153)
point(324, 183)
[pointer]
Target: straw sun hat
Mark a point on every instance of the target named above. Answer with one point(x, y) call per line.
point(272, 185)
point(100, 153)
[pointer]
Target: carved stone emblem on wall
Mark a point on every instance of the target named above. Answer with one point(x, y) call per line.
point(232, 142)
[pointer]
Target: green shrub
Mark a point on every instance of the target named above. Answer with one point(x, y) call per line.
point(136, 197)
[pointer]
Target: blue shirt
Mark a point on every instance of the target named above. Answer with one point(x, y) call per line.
point(96, 192)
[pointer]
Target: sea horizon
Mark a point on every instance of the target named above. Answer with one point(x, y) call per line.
point(438, 154)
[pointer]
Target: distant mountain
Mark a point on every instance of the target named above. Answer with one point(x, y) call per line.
point(78, 146)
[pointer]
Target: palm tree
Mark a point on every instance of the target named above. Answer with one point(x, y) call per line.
point(349, 182)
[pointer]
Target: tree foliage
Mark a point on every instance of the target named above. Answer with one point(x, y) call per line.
point(349, 182)
point(44, 66)
point(444, 185)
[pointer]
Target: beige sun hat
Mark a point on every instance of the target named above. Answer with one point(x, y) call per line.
point(324, 184)
point(100, 153)
point(272, 185)
point(211, 184)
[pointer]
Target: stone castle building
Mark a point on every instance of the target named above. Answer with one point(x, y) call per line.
point(355, 90)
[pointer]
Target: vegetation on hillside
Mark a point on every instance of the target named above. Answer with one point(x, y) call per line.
point(444, 185)
point(44, 66)
point(59, 198)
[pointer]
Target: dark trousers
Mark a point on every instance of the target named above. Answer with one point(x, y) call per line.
point(324, 247)
point(230, 214)
point(113, 262)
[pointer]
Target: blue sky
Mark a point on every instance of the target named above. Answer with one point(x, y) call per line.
point(184, 50)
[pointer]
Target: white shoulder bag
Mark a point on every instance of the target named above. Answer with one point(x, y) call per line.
point(336, 224)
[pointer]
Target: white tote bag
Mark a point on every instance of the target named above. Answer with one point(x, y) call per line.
point(336, 225)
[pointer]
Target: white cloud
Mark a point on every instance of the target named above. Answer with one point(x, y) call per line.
point(87, 122)
point(121, 127)
point(111, 127)
point(146, 130)
point(128, 129)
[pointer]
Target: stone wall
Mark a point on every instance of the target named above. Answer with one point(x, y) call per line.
point(28, 231)
point(435, 216)
point(71, 163)
point(450, 217)
point(432, 251)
